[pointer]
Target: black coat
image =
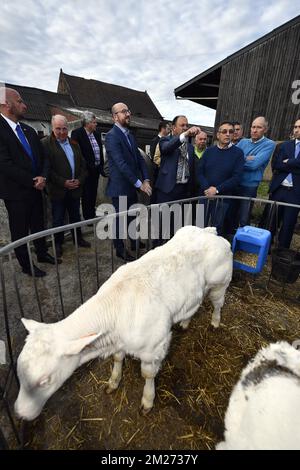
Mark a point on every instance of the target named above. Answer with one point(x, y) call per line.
point(16, 172)
point(81, 137)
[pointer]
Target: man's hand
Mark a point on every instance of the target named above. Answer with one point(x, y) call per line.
point(71, 184)
point(146, 188)
point(211, 191)
point(39, 182)
point(192, 131)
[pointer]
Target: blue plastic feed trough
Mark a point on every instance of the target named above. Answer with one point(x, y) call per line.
point(250, 247)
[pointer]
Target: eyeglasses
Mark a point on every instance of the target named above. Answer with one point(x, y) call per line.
point(124, 111)
point(226, 131)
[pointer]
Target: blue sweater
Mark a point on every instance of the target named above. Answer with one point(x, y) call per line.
point(254, 169)
point(221, 168)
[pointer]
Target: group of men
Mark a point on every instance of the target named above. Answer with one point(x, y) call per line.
point(70, 169)
point(233, 166)
point(60, 164)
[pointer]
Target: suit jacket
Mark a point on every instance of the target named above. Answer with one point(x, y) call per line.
point(16, 172)
point(281, 170)
point(169, 149)
point(80, 136)
point(153, 145)
point(126, 164)
point(60, 169)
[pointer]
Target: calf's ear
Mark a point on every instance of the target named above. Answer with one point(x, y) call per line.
point(77, 345)
point(30, 325)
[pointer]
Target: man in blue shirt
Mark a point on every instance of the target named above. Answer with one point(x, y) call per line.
point(257, 152)
point(67, 174)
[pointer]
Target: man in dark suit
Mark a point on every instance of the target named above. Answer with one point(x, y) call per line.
point(163, 130)
point(127, 169)
point(67, 173)
point(177, 162)
point(23, 172)
point(90, 144)
point(285, 185)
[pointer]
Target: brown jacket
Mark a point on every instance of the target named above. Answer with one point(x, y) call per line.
point(60, 169)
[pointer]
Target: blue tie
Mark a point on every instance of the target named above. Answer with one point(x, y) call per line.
point(289, 177)
point(26, 146)
point(297, 150)
point(127, 137)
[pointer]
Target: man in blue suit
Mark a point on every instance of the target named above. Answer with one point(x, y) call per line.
point(177, 162)
point(285, 185)
point(127, 169)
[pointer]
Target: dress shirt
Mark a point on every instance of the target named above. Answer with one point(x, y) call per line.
point(69, 154)
point(95, 147)
point(288, 181)
point(125, 131)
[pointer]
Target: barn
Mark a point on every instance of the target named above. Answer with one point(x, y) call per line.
point(262, 78)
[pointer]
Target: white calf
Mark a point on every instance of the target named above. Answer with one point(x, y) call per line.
point(264, 407)
point(132, 313)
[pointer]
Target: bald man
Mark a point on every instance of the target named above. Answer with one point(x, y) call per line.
point(257, 153)
point(23, 172)
point(127, 170)
point(67, 174)
point(200, 144)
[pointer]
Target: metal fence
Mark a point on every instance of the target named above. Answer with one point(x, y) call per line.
point(68, 285)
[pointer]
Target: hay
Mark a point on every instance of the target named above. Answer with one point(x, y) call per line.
point(192, 387)
point(243, 257)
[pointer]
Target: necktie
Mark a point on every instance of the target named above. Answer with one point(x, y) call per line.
point(26, 145)
point(127, 137)
point(289, 177)
point(297, 150)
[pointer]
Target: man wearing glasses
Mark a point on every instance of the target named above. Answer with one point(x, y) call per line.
point(219, 172)
point(127, 170)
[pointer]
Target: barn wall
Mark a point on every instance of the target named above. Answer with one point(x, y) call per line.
point(259, 82)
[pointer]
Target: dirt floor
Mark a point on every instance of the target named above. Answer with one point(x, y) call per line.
point(192, 387)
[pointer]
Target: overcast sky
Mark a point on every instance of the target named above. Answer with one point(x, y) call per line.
point(141, 44)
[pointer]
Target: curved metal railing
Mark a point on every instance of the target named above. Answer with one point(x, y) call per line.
point(53, 297)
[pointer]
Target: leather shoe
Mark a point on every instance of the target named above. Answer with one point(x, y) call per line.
point(125, 256)
point(46, 258)
point(37, 272)
point(84, 243)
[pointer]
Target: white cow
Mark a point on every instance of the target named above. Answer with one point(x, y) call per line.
point(264, 407)
point(132, 313)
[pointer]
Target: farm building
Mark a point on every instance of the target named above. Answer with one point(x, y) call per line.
point(262, 78)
